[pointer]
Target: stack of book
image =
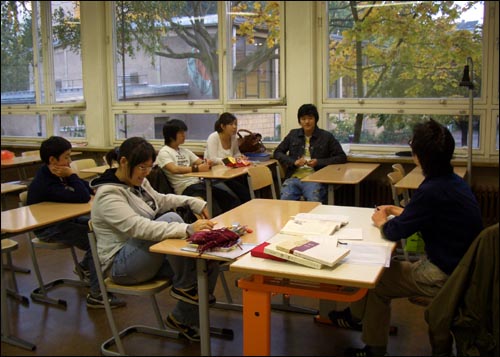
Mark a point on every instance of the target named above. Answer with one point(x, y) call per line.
point(307, 240)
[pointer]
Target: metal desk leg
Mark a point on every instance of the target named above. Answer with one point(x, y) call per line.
point(208, 186)
point(6, 336)
point(201, 269)
point(331, 197)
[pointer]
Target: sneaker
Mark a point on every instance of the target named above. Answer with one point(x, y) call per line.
point(343, 319)
point(190, 295)
point(94, 302)
point(83, 274)
point(190, 332)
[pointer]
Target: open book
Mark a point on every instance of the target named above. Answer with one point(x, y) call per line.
point(320, 249)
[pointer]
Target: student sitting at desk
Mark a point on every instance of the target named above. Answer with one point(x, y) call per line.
point(57, 182)
point(177, 161)
point(129, 216)
point(447, 215)
point(304, 151)
point(223, 143)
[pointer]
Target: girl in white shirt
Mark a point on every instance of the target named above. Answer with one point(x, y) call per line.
point(223, 143)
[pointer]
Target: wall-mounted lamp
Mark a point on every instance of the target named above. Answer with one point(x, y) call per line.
point(468, 81)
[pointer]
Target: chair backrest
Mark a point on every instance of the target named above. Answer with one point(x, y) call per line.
point(394, 177)
point(23, 198)
point(78, 165)
point(465, 310)
point(400, 168)
point(258, 178)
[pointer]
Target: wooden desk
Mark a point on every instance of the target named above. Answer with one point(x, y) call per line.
point(222, 172)
point(415, 177)
point(19, 162)
point(351, 173)
point(9, 188)
point(24, 219)
point(269, 276)
point(266, 217)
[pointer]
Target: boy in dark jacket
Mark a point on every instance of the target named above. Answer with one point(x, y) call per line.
point(57, 182)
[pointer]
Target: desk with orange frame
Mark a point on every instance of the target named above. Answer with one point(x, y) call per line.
point(22, 220)
point(351, 173)
point(344, 282)
point(415, 177)
point(222, 172)
point(264, 216)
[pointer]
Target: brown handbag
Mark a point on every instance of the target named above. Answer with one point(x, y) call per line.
point(252, 142)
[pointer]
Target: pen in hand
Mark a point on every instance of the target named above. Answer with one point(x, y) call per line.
point(376, 207)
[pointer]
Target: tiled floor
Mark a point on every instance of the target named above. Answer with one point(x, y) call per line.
point(78, 331)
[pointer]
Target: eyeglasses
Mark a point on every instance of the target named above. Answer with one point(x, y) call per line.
point(144, 168)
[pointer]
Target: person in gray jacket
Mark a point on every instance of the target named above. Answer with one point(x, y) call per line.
point(129, 216)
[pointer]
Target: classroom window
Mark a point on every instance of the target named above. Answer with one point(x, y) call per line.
point(24, 125)
point(397, 129)
point(254, 56)
point(396, 55)
point(166, 50)
point(402, 49)
point(70, 126)
point(31, 73)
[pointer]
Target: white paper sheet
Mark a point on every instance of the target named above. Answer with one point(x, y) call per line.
point(367, 253)
point(349, 234)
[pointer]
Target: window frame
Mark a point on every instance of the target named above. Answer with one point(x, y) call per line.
point(441, 106)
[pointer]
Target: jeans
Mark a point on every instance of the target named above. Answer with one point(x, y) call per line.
point(134, 264)
point(401, 279)
point(293, 189)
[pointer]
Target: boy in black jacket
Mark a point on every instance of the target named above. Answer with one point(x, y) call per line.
point(57, 182)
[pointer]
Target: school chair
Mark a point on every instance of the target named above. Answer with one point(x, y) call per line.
point(39, 294)
point(79, 165)
point(8, 246)
point(150, 289)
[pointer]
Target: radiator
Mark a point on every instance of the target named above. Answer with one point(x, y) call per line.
point(372, 192)
point(487, 196)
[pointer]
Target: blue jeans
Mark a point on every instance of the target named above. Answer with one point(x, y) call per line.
point(293, 189)
point(134, 264)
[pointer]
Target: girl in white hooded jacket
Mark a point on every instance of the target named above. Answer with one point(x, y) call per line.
point(129, 216)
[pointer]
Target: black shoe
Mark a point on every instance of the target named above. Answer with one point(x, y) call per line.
point(190, 295)
point(190, 332)
point(343, 319)
point(361, 352)
point(82, 272)
point(97, 302)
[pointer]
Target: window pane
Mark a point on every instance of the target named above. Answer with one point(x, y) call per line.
point(150, 126)
point(26, 126)
point(413, 49)
point(17, 53)
point(70, 126)
point(396, 129)
point(166, 50)
point(67, 53)
point(254, 58)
